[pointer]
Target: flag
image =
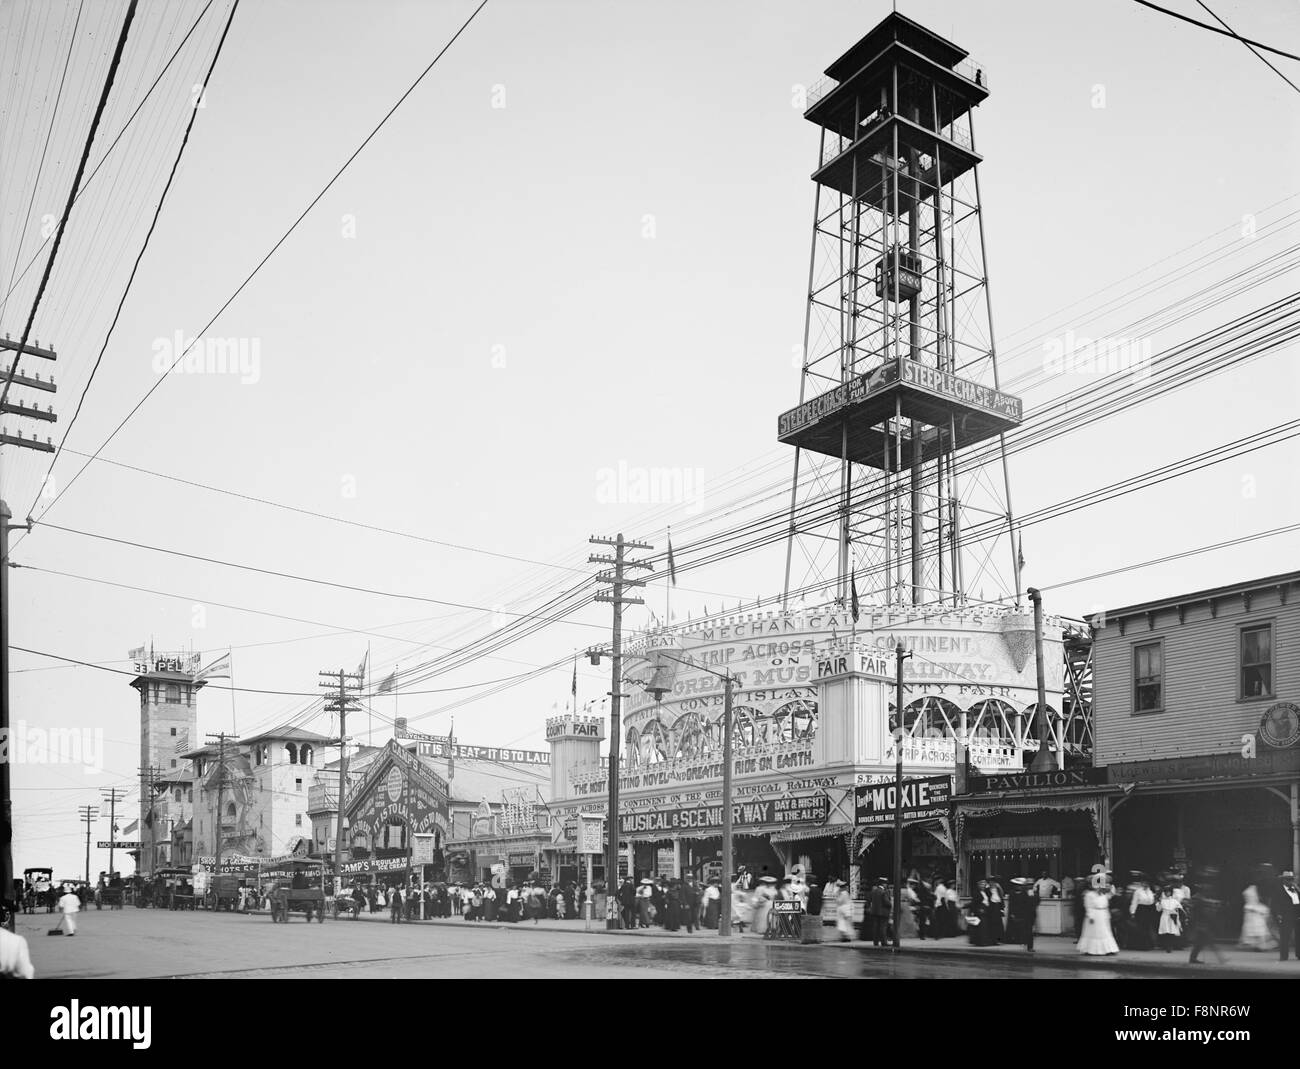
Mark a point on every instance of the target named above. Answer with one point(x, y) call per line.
point(672, 566)
point(575, 683)
point(388, 682)
point(1020, 555)
point(131, 827)
point(218, 669)
point(855, 608)
point(361, 669)
point(182, 742)
point(136, 654)
point(148, 818)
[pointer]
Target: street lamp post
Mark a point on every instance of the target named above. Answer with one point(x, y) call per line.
point(657, 691)
point(899, 657)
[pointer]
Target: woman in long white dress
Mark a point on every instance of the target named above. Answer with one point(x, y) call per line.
point(1256, 933)
point(1097, 938)
point(764, 896)
point(843, 912)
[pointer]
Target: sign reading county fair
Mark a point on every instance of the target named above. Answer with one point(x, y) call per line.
point(812, 809)
point(922, 799)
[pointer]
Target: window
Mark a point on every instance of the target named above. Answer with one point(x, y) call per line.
point(293, 753)
point(173, 694)
point(297, 820)
point(190, 796)
point(173, 762)
point(173, 733)
point(297, 785)
point(178, 795)
point(1148, 677)
point(1257, 661)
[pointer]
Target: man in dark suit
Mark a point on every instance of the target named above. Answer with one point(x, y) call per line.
point(1285, 904)
point(877, 917)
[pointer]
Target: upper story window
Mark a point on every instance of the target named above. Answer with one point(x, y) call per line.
point(297, 785)
point(1257, 661)
point(173, 694)
point(305, 755)
point(173, 732)
point(1148, 677)
point(292, 751)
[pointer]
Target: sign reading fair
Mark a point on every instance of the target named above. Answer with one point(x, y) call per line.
point(921, 799)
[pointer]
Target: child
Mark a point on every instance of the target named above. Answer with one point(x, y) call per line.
point(69, 906)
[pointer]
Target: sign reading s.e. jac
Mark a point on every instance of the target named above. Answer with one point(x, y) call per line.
point(921, 799)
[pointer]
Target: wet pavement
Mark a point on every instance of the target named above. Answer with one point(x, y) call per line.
point(149, 943)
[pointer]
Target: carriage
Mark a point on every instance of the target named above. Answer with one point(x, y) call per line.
point(223, 893)
point(299, 886)
point(34, 898)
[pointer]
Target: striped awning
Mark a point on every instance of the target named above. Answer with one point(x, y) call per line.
point(795, 834)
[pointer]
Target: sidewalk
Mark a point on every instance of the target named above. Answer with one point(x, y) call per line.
point(1048, 949)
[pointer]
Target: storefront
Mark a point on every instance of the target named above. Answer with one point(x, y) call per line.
point(1026, 824)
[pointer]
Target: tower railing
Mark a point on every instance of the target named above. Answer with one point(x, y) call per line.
point(969, 69)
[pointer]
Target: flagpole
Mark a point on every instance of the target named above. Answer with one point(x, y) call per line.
point(370, 703)
point(230, 663)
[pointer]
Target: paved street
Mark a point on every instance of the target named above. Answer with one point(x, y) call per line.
point(147, 943)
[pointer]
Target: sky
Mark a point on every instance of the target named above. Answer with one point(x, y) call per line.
point(577, 249)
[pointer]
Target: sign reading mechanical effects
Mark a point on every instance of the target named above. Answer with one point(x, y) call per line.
point(922, 799)
point(811, 809)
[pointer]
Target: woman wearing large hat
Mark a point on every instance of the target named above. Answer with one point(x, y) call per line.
point(1097, 938)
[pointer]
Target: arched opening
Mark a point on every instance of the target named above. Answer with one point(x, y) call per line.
point(655, 744)
point(632, 753)
point(795, 721)
point(292, 751)
point(305, 755)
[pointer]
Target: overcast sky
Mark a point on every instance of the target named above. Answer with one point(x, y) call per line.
point(581, 243)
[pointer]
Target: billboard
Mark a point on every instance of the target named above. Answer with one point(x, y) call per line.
point(875, 804)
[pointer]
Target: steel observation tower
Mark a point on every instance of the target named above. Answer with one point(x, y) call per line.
point(900, 472)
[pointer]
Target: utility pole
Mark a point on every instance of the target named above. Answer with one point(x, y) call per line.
point(88, 813)
point(724, 914)
point(617, 580)
point(1046, 759)
point(220, 738)
point(345, 685)
point(148, 784)
point(112, 795)
point(899, 657)
point(10, 352)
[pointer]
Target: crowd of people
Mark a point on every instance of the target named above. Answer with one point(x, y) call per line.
point(1164, 913)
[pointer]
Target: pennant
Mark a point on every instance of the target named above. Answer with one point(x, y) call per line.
point(131, 827)
point(575, 683)
point(386, 685)
point(218, 669)
point(672, 566)
point(136, 654)
point(1020, 554)
point(361, 669)
point(855, 608)
point(148, 819)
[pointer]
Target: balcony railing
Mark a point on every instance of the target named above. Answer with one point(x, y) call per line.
point(967, 68)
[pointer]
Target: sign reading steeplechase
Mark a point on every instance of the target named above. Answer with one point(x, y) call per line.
point(922, 799)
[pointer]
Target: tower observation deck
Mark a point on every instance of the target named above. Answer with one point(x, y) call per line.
point(898, 433)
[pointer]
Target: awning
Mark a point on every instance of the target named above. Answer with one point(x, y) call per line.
point(1091, 804)
point(795, 834)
